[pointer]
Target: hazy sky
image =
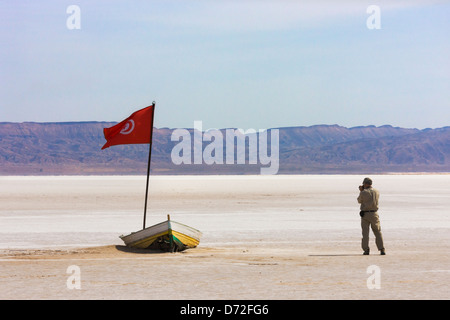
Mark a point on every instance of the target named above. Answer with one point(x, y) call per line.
point(246, 64)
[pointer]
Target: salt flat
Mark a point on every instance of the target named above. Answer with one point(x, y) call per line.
point(264, 237)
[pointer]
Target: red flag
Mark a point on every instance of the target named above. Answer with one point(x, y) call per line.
point(135, 129)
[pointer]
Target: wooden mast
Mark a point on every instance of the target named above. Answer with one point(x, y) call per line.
point(149, 161)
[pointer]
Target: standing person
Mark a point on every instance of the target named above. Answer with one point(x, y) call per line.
point(368, 198)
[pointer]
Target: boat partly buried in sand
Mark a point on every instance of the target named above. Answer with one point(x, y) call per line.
point(168, 236)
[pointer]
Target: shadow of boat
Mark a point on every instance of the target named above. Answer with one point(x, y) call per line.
point(123, 248)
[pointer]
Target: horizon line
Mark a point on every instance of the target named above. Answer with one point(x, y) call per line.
point(224, 128)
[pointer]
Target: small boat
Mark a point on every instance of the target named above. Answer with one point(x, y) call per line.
point(169, 236)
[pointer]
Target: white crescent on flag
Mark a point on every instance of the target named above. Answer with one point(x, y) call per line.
point(128, 128)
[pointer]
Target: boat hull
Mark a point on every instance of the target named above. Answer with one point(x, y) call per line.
point(167, 236)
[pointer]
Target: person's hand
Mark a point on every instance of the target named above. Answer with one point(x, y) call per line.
point(361, 188)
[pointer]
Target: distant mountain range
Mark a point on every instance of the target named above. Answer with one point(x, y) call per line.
point(74, 148)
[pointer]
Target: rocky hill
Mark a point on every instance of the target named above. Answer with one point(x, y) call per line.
point(75, 148)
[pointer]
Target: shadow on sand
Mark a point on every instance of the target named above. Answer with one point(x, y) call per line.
point(334, 255)
point(138, 250)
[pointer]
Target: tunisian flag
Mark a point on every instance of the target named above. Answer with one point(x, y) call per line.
point(135, 129)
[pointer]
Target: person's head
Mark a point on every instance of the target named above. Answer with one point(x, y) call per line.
point(367, 183)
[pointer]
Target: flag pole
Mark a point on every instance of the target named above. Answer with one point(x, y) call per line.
point(149, 160)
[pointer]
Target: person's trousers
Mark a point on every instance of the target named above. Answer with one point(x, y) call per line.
point(368, 221)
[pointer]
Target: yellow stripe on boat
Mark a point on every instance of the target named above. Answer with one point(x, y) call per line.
point(144, 243)
point(185, 239)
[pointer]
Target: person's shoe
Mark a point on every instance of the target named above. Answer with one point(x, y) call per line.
point(382, 252)
point(366, 253)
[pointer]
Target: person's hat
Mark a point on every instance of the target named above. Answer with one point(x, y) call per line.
point(367, 181)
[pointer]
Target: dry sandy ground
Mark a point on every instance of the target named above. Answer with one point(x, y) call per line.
point(270, 261)
point(115, 272)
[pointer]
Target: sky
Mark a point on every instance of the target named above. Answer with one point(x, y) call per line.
point(241, 64)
